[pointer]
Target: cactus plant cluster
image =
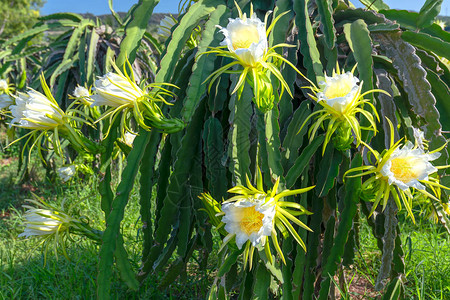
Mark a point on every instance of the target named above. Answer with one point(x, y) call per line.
point(273, 124)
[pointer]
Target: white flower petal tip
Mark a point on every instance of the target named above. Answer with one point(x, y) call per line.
point(3, 85)
point(246, 37)
point(6, 101)
point(128, 138)
point(66, 172)
point(115, 90)
point(407, 166)
point(81, 91)
point(419, 137)
point(339, 91)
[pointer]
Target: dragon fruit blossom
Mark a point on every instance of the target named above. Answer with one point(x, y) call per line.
point(245, 41)
point(342, 99)
point(249, 220)
point(403, 171)
point(120, 92)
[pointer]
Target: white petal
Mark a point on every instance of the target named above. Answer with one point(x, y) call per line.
point(66, 172)
point(5, 101)
point(247, 38)
point(81, 91)
point(36, 108)
point(115, 90)
point(241, 238)
point(3, 85)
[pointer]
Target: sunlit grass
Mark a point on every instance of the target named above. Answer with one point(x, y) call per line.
point(427, 261)
point(22, 271)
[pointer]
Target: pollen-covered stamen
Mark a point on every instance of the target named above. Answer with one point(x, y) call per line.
point(407, 168)
point(252, 220)
point(340, 88)
point(244, 36)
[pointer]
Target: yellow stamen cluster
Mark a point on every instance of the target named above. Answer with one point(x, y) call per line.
point(251, 220)
point(244, 37)
point(405, 169)
point(339, 89)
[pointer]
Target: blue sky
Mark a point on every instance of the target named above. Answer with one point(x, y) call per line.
point(98, 7)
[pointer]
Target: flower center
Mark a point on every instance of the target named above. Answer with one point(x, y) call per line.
point(338, 89)
point(251, 220)
point(244, 36)
point(406, 169)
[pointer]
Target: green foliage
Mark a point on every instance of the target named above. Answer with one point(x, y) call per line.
point(429, 11)
point(17, 16)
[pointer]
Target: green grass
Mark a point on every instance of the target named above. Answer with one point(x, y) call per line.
point(24, 276)
point(22, 271)
point(427, 261)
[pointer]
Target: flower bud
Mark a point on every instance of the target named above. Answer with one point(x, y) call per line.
point(343, 138)
point(66, 172)
point(265, 93)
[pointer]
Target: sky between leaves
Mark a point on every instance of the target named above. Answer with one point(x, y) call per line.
point(99, 7)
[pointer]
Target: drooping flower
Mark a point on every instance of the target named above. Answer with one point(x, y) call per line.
point(401, 172)
point(246, 43)
point(53, 225)
point(120, 92)
point(34, 110)
point(252, 216)
point(42, 115)
point(66, 172)
point(6, 101)
point(341, 99)
point(44, 222)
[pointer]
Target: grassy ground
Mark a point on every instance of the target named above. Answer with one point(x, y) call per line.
point(426, 246)
point(24, 276)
